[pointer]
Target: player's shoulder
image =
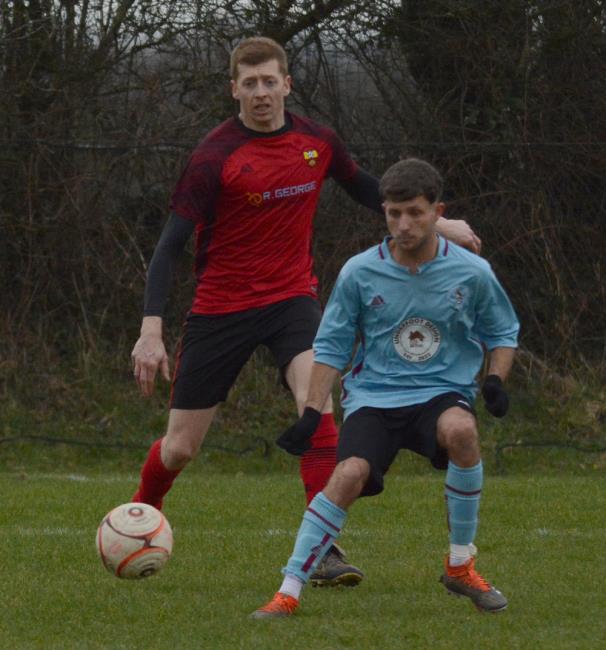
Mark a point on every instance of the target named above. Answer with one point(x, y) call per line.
point(311, 127)
point(363, 260)
point(219, 141)
point(457, 255)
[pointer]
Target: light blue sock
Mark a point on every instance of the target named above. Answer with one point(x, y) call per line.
point(321, 525)
point(462, 490)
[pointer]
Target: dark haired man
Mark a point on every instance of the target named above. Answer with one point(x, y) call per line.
point(422, 309)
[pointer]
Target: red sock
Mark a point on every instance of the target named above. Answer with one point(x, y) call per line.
point(156, 480)
point(318, 463)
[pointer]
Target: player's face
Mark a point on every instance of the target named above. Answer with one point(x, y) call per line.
point(261, 90)
point(412, 225)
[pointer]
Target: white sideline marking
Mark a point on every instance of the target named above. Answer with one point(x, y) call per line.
point(81, 478)
point(278, 532)
point(45, 531)
point(65, 531)
point(281, 532)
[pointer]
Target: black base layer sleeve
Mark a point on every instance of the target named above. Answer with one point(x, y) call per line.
point(364, 189)
point(169, 248)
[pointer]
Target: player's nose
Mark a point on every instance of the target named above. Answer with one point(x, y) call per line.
point(403, 224)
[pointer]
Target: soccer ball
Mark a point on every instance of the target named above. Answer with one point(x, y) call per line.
point(134, 540)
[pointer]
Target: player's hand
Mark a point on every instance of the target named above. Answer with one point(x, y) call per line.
point(495, 397)
point(149, 355)
point(296, 439)
point(461, 233)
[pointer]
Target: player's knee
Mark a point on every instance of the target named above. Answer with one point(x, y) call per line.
point(177, 452)
point(461, 440)
point(353, 474)
point(347, 481)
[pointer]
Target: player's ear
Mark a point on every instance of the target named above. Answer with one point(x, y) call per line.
point(287, 85)
point(234, 89)
point(440, 209)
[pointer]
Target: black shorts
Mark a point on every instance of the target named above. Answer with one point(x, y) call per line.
point(377, 434)
point(213, 349)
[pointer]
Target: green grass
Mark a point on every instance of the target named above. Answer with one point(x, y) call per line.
point(236, 510)
point(541, 541)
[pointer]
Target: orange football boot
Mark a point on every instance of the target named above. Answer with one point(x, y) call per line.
point(279, 606)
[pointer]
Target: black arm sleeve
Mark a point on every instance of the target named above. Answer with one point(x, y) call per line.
point(364, 188)
point(172, 241)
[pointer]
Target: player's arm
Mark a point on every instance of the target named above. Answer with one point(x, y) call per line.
point(500, 362)
point(149, 353)
point(333, 346)
point(296, 439)
point(494, 393)
point(459, 232)
point(498, 328)
point(321, 381)
point(363, 188)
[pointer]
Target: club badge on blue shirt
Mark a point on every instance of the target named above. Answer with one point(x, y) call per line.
point(416, 339)
point(458, 297)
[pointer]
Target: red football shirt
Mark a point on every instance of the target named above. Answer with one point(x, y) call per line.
point(253, 197)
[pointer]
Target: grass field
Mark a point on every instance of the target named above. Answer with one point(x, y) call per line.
point(541, 541)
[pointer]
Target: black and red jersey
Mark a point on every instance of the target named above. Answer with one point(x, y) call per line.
point(253, 197)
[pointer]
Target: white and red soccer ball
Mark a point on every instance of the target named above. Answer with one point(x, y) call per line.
point(134, 540)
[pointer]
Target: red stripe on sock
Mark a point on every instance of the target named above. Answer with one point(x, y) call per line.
point(315, 552)
point(328, 523)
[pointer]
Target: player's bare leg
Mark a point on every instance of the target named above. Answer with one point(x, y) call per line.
point(457, 433)
point(184, 435)
point(316, 467)
point(169, 455)
point(298, 373)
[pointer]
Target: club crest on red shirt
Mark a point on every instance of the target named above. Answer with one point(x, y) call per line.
point(311, 156)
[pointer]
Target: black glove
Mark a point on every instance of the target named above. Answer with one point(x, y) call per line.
point(497, 401)
point(297, 439)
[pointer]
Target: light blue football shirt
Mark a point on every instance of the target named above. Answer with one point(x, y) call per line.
point(420, 335)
